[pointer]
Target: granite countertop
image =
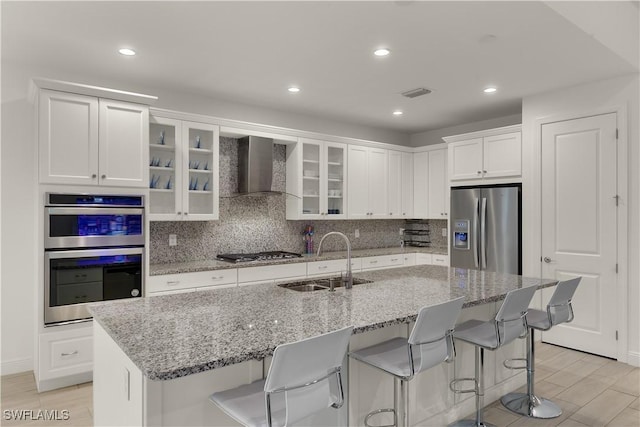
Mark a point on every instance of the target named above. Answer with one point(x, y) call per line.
point(209, 265)
point(177, 335)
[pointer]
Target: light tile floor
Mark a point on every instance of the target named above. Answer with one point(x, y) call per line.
point(592, 391)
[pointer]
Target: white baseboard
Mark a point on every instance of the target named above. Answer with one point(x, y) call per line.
point(633, 358)
point(15, 366)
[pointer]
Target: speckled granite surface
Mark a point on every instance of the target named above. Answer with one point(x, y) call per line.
point(210, 265)
point(183, 334)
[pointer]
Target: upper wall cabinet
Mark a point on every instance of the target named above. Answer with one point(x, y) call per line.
point(368, 182)
point(400, 184)
point(183, 170)
point(316, 174)
point(92, 141)
point(430, 184)
point(491, 154)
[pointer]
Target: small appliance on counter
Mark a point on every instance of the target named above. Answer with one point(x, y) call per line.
point(258, 256)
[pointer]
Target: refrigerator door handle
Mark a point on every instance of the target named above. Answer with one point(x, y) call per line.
point(483, 233)
point(475, 232)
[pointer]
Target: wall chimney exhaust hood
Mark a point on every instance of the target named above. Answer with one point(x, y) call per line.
point(255, 165)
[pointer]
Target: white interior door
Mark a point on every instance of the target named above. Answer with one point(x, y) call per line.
point(579, 227)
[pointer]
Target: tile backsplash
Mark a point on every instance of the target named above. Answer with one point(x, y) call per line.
point(257, 223)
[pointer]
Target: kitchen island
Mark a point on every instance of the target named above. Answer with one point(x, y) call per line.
point(158, 359)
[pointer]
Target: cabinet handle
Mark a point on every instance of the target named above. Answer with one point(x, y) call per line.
point(179, 213)
point(479, 172)
point(186, 213)
point(173, 282)
point(373, 262)
point(403, 213)
point(94, 176)
point(322, 267)
point(73, 353)
point(217, 278)
point(394, 259)
point(104, 176)
point(390, 213)
point(484, 171)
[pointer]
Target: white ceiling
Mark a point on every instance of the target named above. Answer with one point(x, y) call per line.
point(250, 52)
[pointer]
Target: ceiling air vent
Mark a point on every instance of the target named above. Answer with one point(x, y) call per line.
point(414, 93)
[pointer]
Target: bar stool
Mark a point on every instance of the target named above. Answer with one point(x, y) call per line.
point(559, 310)
point(429, 344)
point(304, 378)
point(508, 324)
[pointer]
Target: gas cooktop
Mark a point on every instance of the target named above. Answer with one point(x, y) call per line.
point(259, 256)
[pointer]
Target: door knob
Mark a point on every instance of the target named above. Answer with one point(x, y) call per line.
point(547, 259)
point(104, 176)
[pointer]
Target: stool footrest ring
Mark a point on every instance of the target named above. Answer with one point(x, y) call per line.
point(454, 383)
point(508, 363)
point(380, 411)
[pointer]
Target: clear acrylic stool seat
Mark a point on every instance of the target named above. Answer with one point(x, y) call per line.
point(559, 310)
point(428, 345)
point(508, 324)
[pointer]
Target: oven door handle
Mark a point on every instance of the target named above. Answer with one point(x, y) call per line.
point(94, 211)
point(92, 253)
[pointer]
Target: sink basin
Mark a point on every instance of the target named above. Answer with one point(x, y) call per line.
point(317, 284)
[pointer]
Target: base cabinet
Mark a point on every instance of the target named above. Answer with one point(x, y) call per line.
point(65, 356)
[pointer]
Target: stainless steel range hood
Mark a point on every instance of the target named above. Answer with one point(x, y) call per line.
point(255, 165)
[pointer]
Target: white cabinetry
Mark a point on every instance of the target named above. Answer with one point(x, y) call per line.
point(407, 185)
point(430, 186)
point(65, 356)
point(491, 154)
point(191, 281)
point(395, 184)
point(382, 261)
point(440, 259)
point(437, 187)
point(183, 170)
point(316, 172)
point(269, 273)
point(367, 182)
point(91, 141)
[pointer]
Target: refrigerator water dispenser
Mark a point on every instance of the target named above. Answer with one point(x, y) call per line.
point(461, 234)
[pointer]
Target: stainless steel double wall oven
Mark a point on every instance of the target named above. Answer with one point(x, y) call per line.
point(94, 251)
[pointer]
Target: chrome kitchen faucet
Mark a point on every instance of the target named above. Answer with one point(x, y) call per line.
point(347, 281)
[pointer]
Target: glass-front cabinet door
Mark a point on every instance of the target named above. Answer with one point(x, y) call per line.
point(183, 170)
point(311, 170)
point(317, 178)
point(200, 165)
point(335, 194)
point(165, 180)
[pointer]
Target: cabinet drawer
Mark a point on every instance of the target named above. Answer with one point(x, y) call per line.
point(65, 352)
point(383, 261)
point(271, 272)
point(319, 268)
point(423, 259)
point(170, 282)
point(409, 259)
point(440, 260)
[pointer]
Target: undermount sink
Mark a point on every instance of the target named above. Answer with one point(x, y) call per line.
point(318, 284)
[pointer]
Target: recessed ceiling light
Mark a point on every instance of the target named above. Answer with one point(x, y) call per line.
point(490, 89)
point(294, 89)
point(126, 51)
point(382, 52)
point(398, 113)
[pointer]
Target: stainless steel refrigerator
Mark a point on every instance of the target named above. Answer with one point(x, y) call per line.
point(486, 228)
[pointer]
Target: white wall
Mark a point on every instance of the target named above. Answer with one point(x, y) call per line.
point(435, 136)
point(583, 100)
point(18, 277)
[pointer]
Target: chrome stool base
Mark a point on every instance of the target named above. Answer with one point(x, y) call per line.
point(536, 407)
point(470, 423)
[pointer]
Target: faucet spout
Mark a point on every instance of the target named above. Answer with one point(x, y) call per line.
point(348, 281)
